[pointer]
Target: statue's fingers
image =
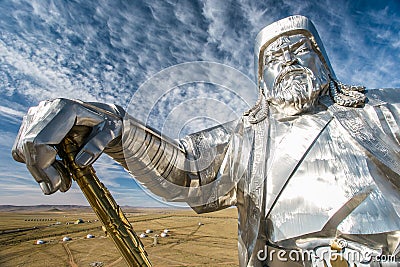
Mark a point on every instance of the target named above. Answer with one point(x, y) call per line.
point(66, 180)
point(53, 178)
point(75, 114)
point(53, 126)
point(30, 124)
point(38, 158)
point(43, 127)
point(37, 142)
point(67, 115)
point(100, 137)
point(47, 171)
point(48, 179)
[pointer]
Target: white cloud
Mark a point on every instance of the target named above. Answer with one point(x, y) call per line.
point(11, 112)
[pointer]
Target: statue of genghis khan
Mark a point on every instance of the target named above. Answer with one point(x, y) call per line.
point(313, 166)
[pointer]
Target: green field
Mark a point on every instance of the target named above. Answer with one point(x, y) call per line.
point(194, 240)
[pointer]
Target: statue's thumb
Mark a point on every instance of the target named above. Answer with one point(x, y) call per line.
point(101, 135)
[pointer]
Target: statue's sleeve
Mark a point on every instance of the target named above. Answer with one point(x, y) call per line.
point(205, 151)
point(174, 170)
point(211, 154)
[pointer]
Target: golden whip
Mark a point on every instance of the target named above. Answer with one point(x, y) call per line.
point(105, 207)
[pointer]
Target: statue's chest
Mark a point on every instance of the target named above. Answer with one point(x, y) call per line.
point(332, 172)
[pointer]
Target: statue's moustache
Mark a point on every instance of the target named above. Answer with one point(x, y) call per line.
point(289, 70)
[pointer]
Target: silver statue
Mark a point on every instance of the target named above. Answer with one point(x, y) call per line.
point(312, 168)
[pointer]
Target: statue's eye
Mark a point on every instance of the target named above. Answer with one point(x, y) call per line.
point(270, 60)
point(302, 50)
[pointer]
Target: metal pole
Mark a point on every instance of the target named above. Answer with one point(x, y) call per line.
point(105, 207)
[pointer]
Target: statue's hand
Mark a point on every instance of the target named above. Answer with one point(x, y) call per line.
point(92, 125)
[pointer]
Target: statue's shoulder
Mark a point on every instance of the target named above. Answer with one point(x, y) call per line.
point(375, 127)
point(383, 96)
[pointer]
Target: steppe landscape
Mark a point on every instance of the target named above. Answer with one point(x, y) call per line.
point(192, 240)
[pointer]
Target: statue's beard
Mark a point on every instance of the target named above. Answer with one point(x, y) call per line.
point(295, 90)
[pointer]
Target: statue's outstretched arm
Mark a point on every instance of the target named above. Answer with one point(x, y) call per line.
point(169, 167)
point(156, 161)
point(165, 166)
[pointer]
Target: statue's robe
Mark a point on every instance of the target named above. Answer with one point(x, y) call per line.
point(302, 181)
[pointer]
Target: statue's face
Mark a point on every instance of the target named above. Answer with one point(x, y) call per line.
point(293, 74)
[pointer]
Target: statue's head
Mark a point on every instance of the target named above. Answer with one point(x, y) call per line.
point(292, 66)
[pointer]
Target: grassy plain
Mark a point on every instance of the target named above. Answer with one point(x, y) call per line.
point(194, 240)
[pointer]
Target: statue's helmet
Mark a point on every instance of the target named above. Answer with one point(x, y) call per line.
point(285, 27)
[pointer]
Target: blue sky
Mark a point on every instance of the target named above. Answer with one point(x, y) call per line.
point(105, 50)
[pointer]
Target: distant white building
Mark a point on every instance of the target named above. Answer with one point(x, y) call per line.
point(90, 236)
point(149, 231)
point(143, 235)
point(39, 242)
point(166, 231)
point(66, 238)
point(164, 234)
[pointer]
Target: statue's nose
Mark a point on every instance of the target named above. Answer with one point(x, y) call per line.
point(288, 58)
